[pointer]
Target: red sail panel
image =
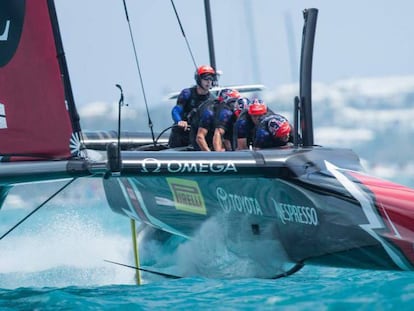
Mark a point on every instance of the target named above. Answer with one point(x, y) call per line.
point(34, 119)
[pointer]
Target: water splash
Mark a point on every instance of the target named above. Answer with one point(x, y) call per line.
point(216, 252)
point(65, 244)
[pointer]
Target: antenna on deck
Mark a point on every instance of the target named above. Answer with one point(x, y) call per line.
point(114, 150)
point(120, 104)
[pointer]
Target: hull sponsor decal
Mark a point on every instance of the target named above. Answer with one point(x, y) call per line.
point(394, 228)
point(164, 201)
point(187, 195)
point(133, 201)
point(293, 213)
point(130, 210)
point(374, 220)
point(151, 165)
point(231, 202)
point(131, 194)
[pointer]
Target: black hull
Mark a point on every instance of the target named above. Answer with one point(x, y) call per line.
point(303, 199)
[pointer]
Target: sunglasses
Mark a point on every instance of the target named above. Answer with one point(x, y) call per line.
point(208, 78)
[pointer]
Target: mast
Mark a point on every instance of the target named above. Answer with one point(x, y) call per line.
point(305, 86)
point(210, 39)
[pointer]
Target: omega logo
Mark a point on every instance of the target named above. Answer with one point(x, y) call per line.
point(150, 165)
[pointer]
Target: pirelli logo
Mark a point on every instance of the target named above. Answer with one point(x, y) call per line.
point(187, 195)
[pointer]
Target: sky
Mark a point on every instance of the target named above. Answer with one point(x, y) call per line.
point(256, 42)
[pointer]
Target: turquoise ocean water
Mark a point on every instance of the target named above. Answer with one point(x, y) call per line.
point(56, 260)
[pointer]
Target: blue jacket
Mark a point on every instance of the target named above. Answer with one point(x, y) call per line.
point(188, 100)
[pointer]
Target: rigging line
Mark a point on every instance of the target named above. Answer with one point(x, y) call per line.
point(37, 208)
point(163, 131)
point(182, 31)
point(139, 72)
point(168, 128)
point(167, 275)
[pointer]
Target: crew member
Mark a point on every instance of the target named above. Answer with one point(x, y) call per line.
point(247, 121)
point(272, 131)
point(203, 125)
point(230, 106)
point(187, 102)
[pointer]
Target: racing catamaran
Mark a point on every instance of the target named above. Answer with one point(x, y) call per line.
point(317, 203)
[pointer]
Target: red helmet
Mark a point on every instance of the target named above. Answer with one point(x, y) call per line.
point(279, 128)
point(257, 108)
point(203, 72)
point(228, 95)
point(205, 69)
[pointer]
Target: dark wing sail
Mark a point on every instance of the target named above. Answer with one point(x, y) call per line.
point(34, 118)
